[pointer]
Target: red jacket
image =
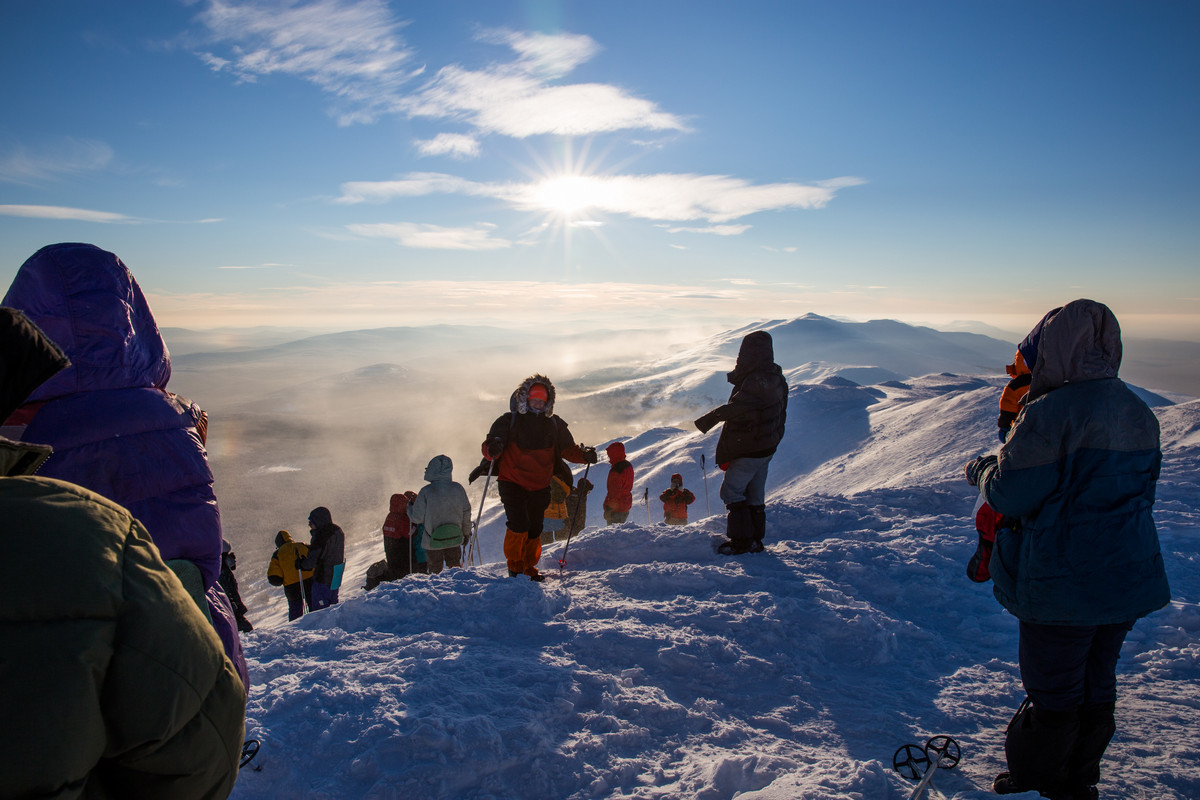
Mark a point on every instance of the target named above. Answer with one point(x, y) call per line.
point(676, 499)
point(397, 525)
point(620, 480)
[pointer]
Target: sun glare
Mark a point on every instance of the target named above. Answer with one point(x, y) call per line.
point(566, 195)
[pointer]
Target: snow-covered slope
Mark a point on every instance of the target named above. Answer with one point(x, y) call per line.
point(657, 669)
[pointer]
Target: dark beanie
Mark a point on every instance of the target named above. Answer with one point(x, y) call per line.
point(320, 516)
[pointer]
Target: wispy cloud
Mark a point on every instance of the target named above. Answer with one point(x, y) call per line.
point(351, 49)
point(433, 237)
point(51, 159)
point(64, 213)
point(718, 230)
point(665, 197)
point(455, 145)
point(515, 103)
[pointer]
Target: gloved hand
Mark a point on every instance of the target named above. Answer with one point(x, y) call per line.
point(589, 455)
point(478, 472)
point(706, 423)
point(492, 447)
point(299, 562)
point(973, 469)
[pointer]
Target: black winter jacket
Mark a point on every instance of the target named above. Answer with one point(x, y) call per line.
point(756, 414)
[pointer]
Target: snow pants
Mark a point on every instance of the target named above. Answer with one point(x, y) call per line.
point(444, 557)
point(297, 600)
point(1070, 674)
point(323, 596)
point(524, 510)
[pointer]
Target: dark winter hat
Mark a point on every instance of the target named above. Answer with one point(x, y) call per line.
point(320, 516)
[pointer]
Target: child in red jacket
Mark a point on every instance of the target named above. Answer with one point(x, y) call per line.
point(619, 499)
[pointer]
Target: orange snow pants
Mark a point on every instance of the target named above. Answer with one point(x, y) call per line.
point(521, 552)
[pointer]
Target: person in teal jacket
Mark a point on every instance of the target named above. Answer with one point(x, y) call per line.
point(1082, 562)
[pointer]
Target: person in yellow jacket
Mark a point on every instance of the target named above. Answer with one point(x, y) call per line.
point(114, 681)
point(282, 572)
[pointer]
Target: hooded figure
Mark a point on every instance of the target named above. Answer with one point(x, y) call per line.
point(444, 514)
point(326, 557)
point(229, 585)
point(282, 571)
point(113, 682)
point(675, 501)
point(1079, 561)
point(755, 420)
point(526, 442)
point(619, 499)
point(397, 538)
point(114, 427)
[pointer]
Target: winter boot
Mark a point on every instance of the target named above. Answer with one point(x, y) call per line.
point(1039, 746)
point(758, 519)
point(739, 529)
point(1097, 724)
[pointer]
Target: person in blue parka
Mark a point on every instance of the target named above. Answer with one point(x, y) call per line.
point(114, 427)
point(1082, 562)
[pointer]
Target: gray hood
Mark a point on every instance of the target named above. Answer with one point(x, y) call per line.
point(1081, 342)
point(440, 468)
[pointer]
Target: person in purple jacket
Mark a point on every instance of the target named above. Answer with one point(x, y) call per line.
point(114, 427)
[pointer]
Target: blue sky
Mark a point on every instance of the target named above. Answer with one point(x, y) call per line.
point(352, 163)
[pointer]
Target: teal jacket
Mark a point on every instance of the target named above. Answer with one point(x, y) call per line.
point(1078, 471)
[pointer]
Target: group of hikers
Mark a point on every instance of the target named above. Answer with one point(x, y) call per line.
point(124, 670)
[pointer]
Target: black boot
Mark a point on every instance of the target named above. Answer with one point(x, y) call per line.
point(739, 529)
point(1039, 747)
point(758, 519)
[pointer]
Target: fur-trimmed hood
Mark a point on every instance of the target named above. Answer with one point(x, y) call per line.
point(519, 402)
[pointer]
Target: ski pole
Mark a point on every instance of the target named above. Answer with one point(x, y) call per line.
point(471, 551)
point(646, 499)
point(704, 470)
point(562, 559)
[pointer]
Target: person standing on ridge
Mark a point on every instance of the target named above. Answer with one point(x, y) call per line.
point(229, 585)
point(1080, 561)
point(675, 501)
point(443, 512)
point(282, 571)
point(755, 420)
point(111, 407)
point(619, 499)
point(326, 557)
point(526, 442)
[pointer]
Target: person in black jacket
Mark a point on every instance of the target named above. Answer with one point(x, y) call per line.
point(754, 418)
point(326, 557)
point(229, 584)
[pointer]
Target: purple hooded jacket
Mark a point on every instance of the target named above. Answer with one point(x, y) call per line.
point(113, 426)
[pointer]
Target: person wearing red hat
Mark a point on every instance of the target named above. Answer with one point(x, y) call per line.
point(619, 499)
point(525, 443)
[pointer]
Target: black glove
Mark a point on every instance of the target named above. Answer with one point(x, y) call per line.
point(974, 468)
point(589, 455)
point(479, 471)
point(706, 423)
point(300, 562)
point(492, 447)
point(275, 580)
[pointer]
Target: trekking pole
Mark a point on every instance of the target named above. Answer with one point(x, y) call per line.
point(471, 551)
point(704, 470)
point(646, 500)
point(562, 559)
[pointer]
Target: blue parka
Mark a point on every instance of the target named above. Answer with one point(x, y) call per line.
point(1078, 471)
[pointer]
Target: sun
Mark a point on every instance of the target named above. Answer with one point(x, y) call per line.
point(567, 196)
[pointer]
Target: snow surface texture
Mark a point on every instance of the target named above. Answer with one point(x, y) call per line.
point(654, 668)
